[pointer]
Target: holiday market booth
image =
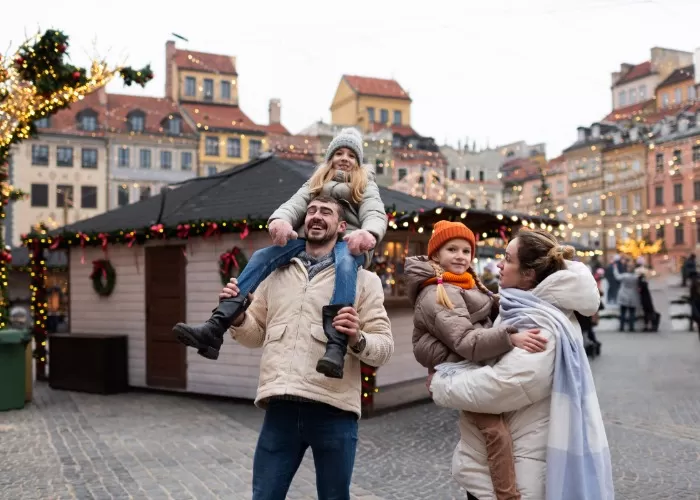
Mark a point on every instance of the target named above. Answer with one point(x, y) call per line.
point(137, 270)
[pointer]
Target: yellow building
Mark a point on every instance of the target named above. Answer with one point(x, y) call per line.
point(371, 104)
point(206, 87)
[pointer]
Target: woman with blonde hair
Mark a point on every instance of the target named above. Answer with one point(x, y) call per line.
point(344, 178)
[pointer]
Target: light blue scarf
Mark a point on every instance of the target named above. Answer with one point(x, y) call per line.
point(578, 457)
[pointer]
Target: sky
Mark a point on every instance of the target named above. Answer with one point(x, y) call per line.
point(494, 71)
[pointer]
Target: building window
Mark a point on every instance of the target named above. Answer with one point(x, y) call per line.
point(633, 96)
point(254, 148)
point(42, 122)
point(637, 201)
point(679, 234)
point(208, 89)
point(397, 117)
point(144, 192)
point(664, 100)
point(677, 157)
point(175, 125)
point(186, 160)
point(642, 92)
point(123, 156)
point(89, 158)
point(467, 175)
point(453, 174)
point(622, 98)
point(136, 122)
point(661, 232)
point(678, 194)
point(64, 156)
point(64, 196)
point(678, 96)
point(226, 90)
point(166, 160)
point(696, 190)
point(88, 121)
point(659, 162)
point(692, 93)
point(88, 196)
point(145, 158)
point(370, 114)
point(396, 142)
point(560, 187)
point(659, 196)
point(481, 176)
point(636, 166)
point(624, 201)
point(233, 148)
point(211, 146)
point(384, 116)
point(39, 195)
point(379, 166)
point(123, 195)
point(402, 173)
point(211, 170)
point(40, 155)
point(696, 153)
point(190, 86)
point(610, 205)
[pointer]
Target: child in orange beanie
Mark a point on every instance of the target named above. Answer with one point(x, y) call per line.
point(453, 320)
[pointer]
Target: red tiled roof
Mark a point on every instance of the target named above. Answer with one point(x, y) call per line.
point(638, 71)
point(156, 109)
point(679, 75)
point(629, 112)
point(277, 128)
point(402, 130)
point(670, 111)
point(555, 165)
point(66, 120)
point(221, 118)
point(202, 61)
point(376, 87)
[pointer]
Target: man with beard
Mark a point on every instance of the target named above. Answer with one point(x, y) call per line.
point(306, 409)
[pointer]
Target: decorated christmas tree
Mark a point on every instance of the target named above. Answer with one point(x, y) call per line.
point(36, 83)
point(543, 200)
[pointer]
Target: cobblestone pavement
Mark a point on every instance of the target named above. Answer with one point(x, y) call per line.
point(164, 446)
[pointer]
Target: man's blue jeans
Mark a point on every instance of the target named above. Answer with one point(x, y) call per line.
point(266, 260)
point(289, 428)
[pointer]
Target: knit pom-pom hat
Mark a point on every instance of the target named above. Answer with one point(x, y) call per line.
point(347, 138)
point(444, 231)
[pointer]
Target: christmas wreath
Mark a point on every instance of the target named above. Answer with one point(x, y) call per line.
point(103, 277)
point(231, 264)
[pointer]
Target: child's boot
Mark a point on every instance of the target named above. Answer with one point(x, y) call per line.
point(333, 362)
point(208, 337)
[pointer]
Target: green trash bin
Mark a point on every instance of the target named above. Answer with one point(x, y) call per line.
point(12, 368)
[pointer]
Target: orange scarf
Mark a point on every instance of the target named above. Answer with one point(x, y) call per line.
point(464, 281)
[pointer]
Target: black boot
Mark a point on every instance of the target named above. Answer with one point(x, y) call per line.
point(208, 337)
point(332, 363)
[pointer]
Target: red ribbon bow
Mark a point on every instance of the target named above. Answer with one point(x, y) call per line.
point(131, 238)
point(98, 266)
point(183, 231)
point(157, 229)
point(213, 228)
point(56, 243)
point(83, 239)
point(502, 232)
point(245, 231)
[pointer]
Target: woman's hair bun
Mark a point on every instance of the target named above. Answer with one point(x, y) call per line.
point(562, 252)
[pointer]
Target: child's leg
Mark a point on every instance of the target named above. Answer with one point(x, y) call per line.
point(333, 361)
point(208, 337)
point(499, 451)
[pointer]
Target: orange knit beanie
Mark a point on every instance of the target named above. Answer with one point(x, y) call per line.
point(444, 231)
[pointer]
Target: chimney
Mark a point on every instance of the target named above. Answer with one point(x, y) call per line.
point(169, 70)
point(696, 63)
point(275, 111)
point(102, 96)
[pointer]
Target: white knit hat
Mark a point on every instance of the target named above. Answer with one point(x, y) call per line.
point(347, 138)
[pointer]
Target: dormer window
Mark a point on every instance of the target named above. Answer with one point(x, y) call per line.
point(596, 131)
point(683, 124)
point(42, 122)
point(137, 121)
point(634, 134)
point(582, 135)
point(87, 120)
point(172, 125)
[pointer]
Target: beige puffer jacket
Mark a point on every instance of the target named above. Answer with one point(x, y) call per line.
point(369, 215)
point(441, 334)
point(285, 320)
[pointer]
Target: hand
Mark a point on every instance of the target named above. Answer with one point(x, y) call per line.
point(529, 340)
point(231, 290)
point(281, 231)
point(360, 241)
point(347, 321)
point(431, 374)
